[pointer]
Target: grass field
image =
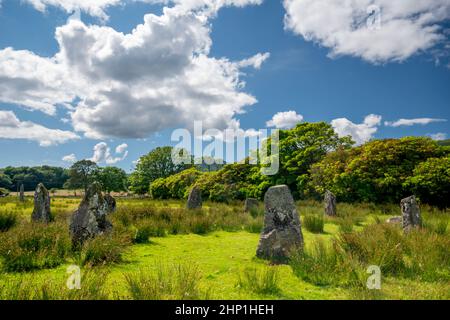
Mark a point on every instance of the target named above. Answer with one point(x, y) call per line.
point(161, 251)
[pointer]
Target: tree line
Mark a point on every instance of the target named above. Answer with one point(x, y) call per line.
point(312, 157)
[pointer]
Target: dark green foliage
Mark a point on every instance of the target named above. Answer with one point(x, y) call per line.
point(52, 177)
point(156, 164)
point(82, 173)
point(374, 172)
point(7, 221)
point(112, 179)
point(430, 181)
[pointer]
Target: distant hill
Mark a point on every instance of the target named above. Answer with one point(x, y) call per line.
point(444, 142)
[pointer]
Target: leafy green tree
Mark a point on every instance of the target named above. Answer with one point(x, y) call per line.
point(5, 181)
point(156, 164)
point(81, 174)
point(373, 172)
point(51, 177)
point(112, 179)
point(431, 182)
point(300, 148)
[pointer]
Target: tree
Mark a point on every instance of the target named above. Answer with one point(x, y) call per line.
point(156, 164)
point(431, 182)
point(300, 148)
point(375, 171)
point(51, 177)
point(5, 181)
point(113, 179)
point(82, 174)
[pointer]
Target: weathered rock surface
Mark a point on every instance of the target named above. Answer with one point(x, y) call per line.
point(195, 199)
point(110, 202)
point(41, 211)
point(330, 203)
point(250, 204)
point(90, 219)
point(282, 230)
point(411, 216)
point(22, 193)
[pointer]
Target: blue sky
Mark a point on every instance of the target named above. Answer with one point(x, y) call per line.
point(363, 82)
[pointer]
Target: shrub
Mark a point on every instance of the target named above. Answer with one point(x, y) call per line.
point(174, 282)
point(4, 192)
point(263, 281)
point(313, 223)
point(34, 246)
point(345, 225)
point(7, 221)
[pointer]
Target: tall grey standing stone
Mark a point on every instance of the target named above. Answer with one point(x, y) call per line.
point(195, 198)
point(330, 203)
point(282, 229)
point(22, 193)
point(411, 217)
point(41, 211)
point(90, 220)
point(250, 204)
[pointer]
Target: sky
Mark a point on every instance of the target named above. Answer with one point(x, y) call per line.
point(110, 80)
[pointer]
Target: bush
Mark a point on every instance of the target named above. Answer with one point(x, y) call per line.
point(7, 221)
point(4, 192)
point(174, 282)
point(313, 223)
point(34, 246)
point(262, 282)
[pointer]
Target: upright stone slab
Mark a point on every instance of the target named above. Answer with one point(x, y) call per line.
point(41, 211)
point(110, 202)
point(330, 203)
point(411, 217)
point(195, 198)
point(90, 219)
point(22, 193)
point(282, 230)
point(250, 204)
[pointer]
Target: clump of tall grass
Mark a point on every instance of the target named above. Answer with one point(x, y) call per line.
point(104, 249)
point(263, 281)
point(34, 246)
point(32, 287)
point(345, 225)
point(168, 282)
point(313, 223)
point(7, 221)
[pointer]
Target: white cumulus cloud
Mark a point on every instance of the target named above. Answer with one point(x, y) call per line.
point(405, 28)
point(71, 158)
point(285, 120)
point(132, 85)
point(411, 122)
point(102, 153)
point(12, 128)
point(438, 136)
point(361, 132)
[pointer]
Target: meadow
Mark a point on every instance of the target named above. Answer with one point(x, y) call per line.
point(160, 250)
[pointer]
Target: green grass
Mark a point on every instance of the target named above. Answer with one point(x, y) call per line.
point(166, 252)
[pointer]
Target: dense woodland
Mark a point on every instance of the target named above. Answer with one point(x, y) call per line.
point(312, 159)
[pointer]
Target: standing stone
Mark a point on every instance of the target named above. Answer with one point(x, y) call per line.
point(110, 202)
point(22, 193)
point(250, 204)
point(410, 213)
point(282, 230)
point(90, 218)
point(195, 198)
point(330, 203)
point(41, 211)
